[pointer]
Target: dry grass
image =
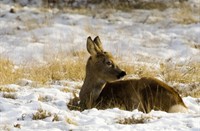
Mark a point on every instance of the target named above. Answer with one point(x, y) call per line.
point(192, 89)
point(108, 4)
point(93, 30)
point(140, 70)
point(6, 89)
point(74, 103)
point(72, 69)
point(5, 127)
point(70, 121)
point(188, 73)
point(41, 114)
point(8, 73)
point(151, 5)
point(198, 101)
point(65, 90)
point(43, 98)
point(56, 117)
point(135, 120)
point(17, 126)
point(9, 95)
point(185, 15)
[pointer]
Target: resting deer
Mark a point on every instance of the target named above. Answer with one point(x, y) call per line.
point(103, 89)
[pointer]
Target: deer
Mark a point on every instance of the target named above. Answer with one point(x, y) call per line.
point(103, 87)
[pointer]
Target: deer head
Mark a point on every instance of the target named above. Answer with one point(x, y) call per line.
point(101, 64)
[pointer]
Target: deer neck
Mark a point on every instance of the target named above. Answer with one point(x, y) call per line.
point(93, 86)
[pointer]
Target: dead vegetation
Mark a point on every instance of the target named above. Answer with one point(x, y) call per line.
point(191, 89)
point(57, 70)
point(44, 98)
point(74, 69)
point(65, 90)
point(70, 121)
point(188, 73)
point(149, 5)
point(136, 120)
point(74, 103)
point(8, 74)
point(17, 126)
point(56, 118)
point(169, 72)
point(6, 89)
point(41, 114)
point(125, 5)
point(184, 15)
point(9, 95)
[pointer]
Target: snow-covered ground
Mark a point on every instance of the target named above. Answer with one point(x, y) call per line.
point(29, 33)
point(140, 36)
point(18, 112)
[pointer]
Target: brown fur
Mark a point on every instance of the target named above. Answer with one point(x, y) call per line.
point(101, 90)
point(143, 94)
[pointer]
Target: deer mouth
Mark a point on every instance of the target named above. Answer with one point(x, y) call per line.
point(122, 74)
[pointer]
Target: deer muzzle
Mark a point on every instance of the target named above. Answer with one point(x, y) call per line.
point(121, 74)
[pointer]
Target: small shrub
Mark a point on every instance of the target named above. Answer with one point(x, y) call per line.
point(44, 98)
point(55, 117)
point(198, 101)
point(135, 120)
point(41, 114)
point(74, 103)
point(70, 121)
point(17, 126)
point(9, 95)
point(6, 89)
point(65, 90)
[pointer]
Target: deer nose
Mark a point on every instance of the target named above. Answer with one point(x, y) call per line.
point(122, 74)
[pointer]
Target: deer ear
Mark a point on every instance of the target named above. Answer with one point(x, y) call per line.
point(92, 48)
point(97, 41)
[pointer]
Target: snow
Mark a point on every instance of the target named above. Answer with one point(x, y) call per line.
point(68, 32)
point(21, 110)
point(29, 34)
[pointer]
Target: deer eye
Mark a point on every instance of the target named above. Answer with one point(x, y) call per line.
point(109, 63)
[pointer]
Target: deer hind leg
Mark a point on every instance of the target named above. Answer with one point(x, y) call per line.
point(177, 108)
